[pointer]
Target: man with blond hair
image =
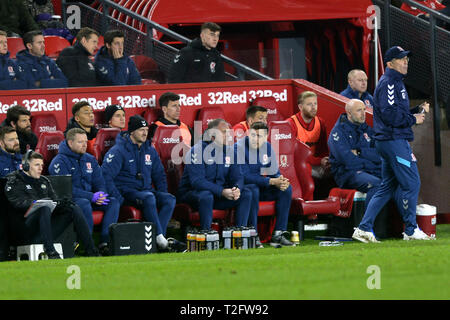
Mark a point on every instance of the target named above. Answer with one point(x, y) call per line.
point(311, 130)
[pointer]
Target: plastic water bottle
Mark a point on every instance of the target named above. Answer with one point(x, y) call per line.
point(226, 235)
point(245, 238)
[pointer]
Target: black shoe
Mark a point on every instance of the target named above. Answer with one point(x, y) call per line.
point(279, 239)
point(176, 246)
point(53, 255)
point(92, 253)
point(103, 248)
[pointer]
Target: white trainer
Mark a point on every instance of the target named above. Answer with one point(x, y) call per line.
point(417, 235)
point(364, 236)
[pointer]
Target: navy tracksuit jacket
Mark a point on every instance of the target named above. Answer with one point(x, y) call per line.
point(87, 178)
point(41, 69)
point(392, 125)
point(115, 72)
point(137, 175)
point(366, 97)
point(258, 167)
point(361, 172)
point(9, 162)
point(9, 74)
point(209, 169)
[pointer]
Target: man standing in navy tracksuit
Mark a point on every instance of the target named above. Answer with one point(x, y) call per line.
point(355, 163)
point(262, 176)
point(88, 185)
point(211, 179)
point(131, 168)
point(392, 124)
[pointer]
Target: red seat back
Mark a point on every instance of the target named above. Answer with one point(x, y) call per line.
point(152, 114)
point(99, 119)
point(105, 139)
point(44, 122)
point(283, 142)
point(54, 45)
point(148, 68)
point(48, 146)
point(15, 44)
point(206, 115)
point(303, 169)
point(168, 142)
point(273, 114)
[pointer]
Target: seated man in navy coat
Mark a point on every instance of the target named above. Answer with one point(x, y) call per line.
point(112, 66)
point(38, 70)
point(357, 87)
point(88, 185)
point(211, 179)
point(9, 71)
point(355, 163)
point(10, 157)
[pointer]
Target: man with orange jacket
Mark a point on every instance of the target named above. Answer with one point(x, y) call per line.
point(170, 105)
point(311, 130)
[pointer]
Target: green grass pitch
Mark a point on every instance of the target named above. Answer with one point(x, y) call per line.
point(403, 270)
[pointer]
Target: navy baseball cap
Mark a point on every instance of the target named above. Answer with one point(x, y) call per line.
point(396, 52)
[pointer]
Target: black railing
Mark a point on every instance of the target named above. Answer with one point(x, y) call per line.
point(429, 70)
point(151, 42)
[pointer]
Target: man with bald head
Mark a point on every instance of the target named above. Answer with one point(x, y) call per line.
point(355, 163)
point(357, 87)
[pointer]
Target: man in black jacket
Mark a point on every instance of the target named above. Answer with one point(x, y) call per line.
point(83, 118)
point(75, 63)
point(200, 61)
point(22, 189)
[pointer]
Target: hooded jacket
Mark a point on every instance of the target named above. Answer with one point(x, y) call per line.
point(87, 177)
point(195, 63)
point(9, 74)
point(9, 162)
point(76, 65)
point(392, 118)
point(346, 136)
point(203, 171)
point(128, 168)
point(15, 17)
point(115, 72)
point(41, 69)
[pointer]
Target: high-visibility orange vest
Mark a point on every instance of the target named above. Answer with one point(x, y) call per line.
point(311, 138)
point(184, 130)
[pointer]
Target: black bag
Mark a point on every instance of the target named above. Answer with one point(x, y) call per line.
point(132, 238)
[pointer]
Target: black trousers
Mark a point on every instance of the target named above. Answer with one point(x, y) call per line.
point(43, 227)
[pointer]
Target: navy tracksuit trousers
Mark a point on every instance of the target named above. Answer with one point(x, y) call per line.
point(111, 214)
point(157, 207)
point(400, 180)
point(282, 200)
point(205, 202)
point(364, 182)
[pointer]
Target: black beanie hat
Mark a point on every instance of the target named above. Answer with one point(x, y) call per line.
point(136, 122)
point(110, 110)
